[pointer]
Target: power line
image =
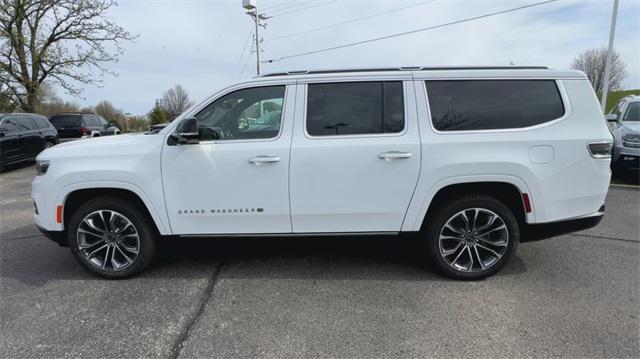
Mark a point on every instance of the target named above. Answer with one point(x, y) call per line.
point(280, 5)
point(246, 43)
point(348, 21)
point(411, 32)
point(246, 62)
point(301, 9)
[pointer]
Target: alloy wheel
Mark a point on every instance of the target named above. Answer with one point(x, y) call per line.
point(473, 240)
point(108, 240)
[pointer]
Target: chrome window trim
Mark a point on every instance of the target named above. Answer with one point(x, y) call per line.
point(559, 84)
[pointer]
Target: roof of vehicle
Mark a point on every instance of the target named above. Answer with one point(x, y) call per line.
point(405, 68)
point(74, 113)
point(19, 114)
point(427, 72)
point(632, 98)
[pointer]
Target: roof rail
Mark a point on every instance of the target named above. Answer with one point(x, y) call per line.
point(404, 68)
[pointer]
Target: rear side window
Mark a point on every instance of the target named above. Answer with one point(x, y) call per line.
point(462, 105)
point(354, 108)
point(65, 121)
point(41, 122)
point(90, 120)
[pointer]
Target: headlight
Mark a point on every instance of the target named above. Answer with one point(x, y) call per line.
point(42, 167)
point(631, 140)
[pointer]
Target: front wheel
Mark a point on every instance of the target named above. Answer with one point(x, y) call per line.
point(111, 238)
point(472, 237)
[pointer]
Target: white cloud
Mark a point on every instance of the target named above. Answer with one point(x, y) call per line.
point(198, 43)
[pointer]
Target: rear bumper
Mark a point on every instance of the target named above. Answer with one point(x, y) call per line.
point(59, 237)
point(536, 232)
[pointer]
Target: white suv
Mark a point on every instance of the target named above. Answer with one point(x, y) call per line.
point(471, 160)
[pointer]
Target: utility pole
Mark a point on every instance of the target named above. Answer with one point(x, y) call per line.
point(607, 66)
point(252, 10)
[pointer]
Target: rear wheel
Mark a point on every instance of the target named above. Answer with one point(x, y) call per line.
point(48, 144)
point(111, 237)
point(473, 237)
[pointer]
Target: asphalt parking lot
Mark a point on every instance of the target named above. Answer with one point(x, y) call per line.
point(574, 295)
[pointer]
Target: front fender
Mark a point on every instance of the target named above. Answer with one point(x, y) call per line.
point(157, 214)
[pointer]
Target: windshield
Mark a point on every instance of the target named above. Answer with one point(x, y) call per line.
point(633, 112)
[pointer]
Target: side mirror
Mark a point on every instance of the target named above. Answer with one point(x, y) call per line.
point(186, 133)
point(611, 117)
point(1, 133)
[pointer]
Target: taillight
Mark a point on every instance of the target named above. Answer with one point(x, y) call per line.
point(600, 149)
point(85, 131)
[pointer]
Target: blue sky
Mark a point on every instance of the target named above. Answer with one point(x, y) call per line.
point(198, 44)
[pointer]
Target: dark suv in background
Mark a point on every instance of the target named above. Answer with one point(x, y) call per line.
point(80, 125)
point(23, 136)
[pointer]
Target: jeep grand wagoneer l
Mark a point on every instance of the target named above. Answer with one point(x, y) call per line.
point(471, 160)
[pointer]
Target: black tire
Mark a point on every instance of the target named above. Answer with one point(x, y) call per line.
point(48, 144)
point(445, 213)
point(142, 226)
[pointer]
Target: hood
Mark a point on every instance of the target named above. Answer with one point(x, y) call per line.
point(102, 146)
point(631, 126)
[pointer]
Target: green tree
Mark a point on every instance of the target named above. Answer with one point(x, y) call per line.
point(157, 115)
point(67, 42)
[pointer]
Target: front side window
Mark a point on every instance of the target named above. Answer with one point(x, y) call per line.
point(354, 108)
point(9, 126)
point(633, 112)
point(253, 113)
point(462, 105)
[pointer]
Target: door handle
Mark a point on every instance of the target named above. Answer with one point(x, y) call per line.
point(257, 160)
point(390, 155)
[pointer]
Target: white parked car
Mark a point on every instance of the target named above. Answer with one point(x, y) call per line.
point(471, 160)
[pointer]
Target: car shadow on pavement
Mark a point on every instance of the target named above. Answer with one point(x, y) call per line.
point(628, 177)
point(375, 258)
point(34, 260)
point(17, 166)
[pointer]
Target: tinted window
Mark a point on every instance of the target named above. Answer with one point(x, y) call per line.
point(41, 122)
point(90, 120)
point(253, 113)
point(24, 123)
point(8, 126)
point(352, 108)
point(633, 112)
point(493, 104)
point(65, 121)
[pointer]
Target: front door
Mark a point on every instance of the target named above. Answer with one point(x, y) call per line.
point(235, 180)
point(11, 143)
point(355, 156)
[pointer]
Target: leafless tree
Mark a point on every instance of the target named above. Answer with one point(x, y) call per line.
point(65, 42)
point(175, 101)
point(592, 63)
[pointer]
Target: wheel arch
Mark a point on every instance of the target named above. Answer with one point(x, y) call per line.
point(73, 196)
point(507, 189)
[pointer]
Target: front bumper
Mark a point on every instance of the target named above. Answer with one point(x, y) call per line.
point(539, 231)
point(627, 157)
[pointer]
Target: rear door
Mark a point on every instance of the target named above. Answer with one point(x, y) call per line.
point(35, 137)
point(355, 156)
